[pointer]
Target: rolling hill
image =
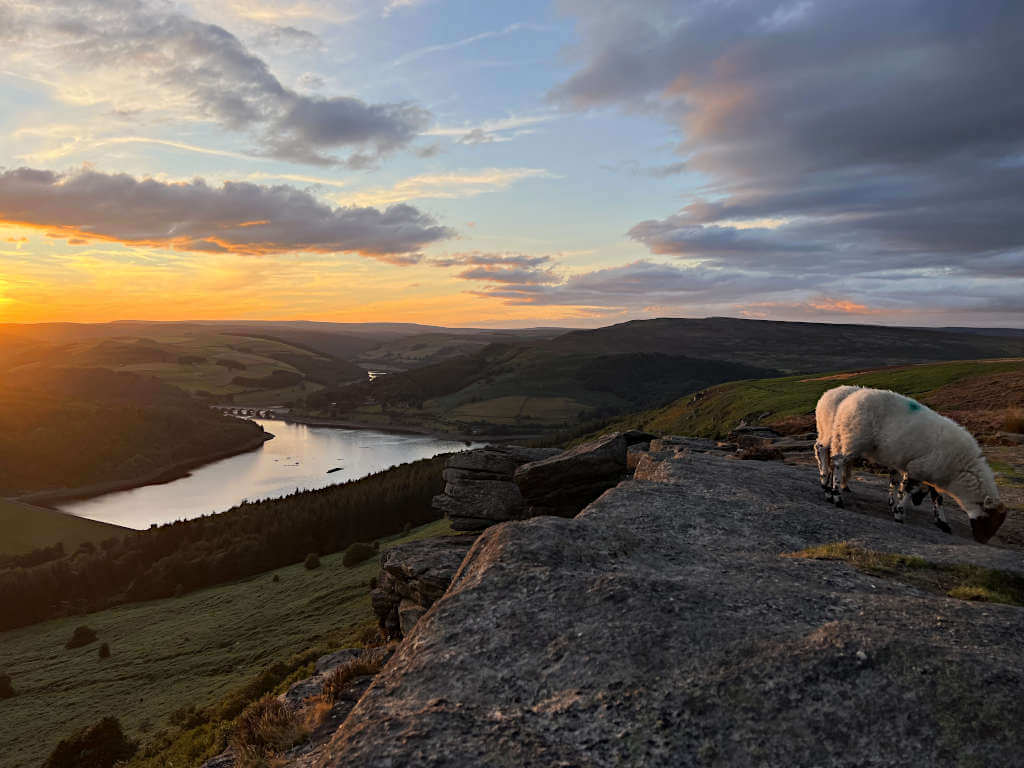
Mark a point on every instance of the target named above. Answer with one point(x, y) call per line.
point(983, 395)
point(790, 347)
point(533, 386)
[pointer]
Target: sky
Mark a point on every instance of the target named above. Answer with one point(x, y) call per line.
point(573, 163)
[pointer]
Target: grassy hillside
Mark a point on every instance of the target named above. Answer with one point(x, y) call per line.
point(253, 537)
point(69, 428)
point(526, 388)
point(173, 653)
point(540, 386)
point(978, 393)
point(203, 362)
point(789, 347)
point(24, 527)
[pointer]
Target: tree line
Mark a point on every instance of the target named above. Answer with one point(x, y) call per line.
point(248, 539)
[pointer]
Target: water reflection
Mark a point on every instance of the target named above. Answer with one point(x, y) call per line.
point(298, 458)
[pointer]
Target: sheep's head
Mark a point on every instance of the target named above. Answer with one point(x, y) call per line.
point(984, 526)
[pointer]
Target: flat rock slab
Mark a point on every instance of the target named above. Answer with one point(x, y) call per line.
point(661, 627)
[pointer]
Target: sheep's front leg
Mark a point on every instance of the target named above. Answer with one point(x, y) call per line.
point(824, 468)
point(940, 517)
point(838, 475)
point(894, 484)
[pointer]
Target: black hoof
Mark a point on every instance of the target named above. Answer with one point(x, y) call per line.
point(943, 526)
point(839, 502)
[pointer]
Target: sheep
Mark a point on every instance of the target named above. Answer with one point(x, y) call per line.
point(898, 432)
point(909, 489)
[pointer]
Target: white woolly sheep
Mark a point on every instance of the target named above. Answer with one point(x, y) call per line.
point(902, 488)
point(900, 433)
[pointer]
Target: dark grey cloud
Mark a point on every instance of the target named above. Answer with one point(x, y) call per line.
point(236, 217)
point(483, 259)
point(155, 57)
point(876, 138)
point(640, 284)
point(288, 37)
point(516, 269)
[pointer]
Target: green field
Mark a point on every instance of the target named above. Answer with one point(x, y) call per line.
point(770, 401)
point(514, 409)
point(26, 527)
point(168, 654)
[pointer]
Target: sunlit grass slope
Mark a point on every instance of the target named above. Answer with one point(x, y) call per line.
point(169, 654)
point(24, 527)
point(991, 386)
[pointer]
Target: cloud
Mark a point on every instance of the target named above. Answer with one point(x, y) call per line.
point(478, 136)
point(885, 138)
point(237, 217)
point(288, 37)
point(502, 268)
point(140, 56)
point(662, 171)
point(311, 81)
point(419, 53)
point(448, 185)
point(491, 131)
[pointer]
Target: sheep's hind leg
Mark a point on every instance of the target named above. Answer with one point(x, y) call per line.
point(908, 494)
point(940, 517)
point(847, 471)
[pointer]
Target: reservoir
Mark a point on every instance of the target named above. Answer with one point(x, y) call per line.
point(300, 457)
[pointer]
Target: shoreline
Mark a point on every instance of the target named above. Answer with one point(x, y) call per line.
point(167, 474)
point(50, 498)
point(322, 421)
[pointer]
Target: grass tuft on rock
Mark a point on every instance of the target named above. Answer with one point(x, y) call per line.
point(367, 663)
point(265, 728)
point(963, 581)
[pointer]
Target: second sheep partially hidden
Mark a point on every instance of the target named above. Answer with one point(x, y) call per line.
point(898, 432)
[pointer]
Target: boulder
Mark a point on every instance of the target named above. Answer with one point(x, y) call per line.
point(573, 478)
point(661, 627)
point(409, 613)
point(412, 577)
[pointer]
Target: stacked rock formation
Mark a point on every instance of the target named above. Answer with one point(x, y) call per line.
point(506, 482)
point(479, 490)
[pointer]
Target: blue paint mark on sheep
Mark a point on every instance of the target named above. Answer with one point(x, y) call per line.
point(913, 405)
